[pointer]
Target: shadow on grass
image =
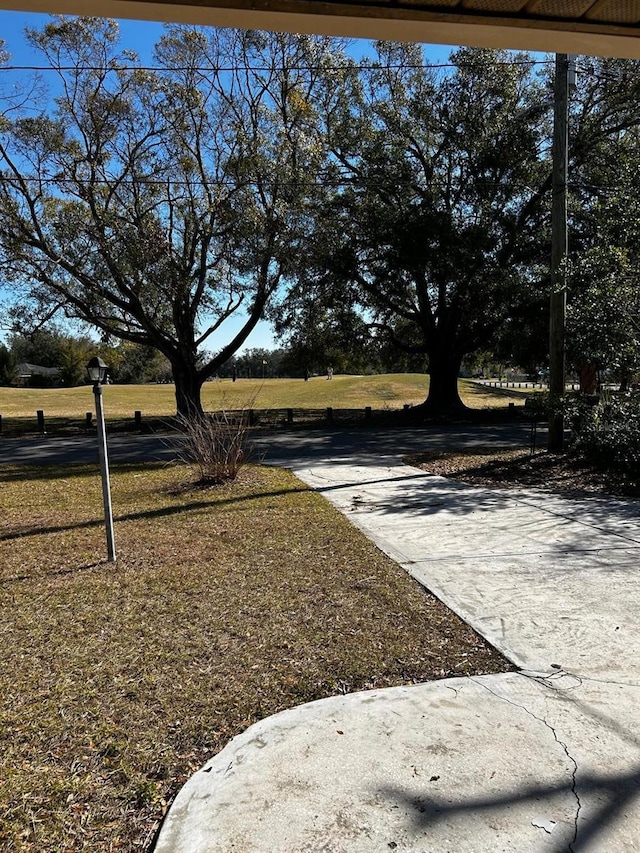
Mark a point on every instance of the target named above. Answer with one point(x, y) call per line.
point(57, 471)
point(413, 496)
point(56, 573)
point(477, 389)
point(21, 426)
point(164, 512)
point(27, 426)
point(412, 499)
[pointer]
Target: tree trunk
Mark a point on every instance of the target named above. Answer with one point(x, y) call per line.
point(443, 399)
point(625, 381)
point(188, 387)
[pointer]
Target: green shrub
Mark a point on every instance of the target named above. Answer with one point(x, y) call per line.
point(607, 432)
point(38, 380)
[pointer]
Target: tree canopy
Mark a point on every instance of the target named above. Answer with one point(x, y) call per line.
point(430, 219)
point(433, 221)
point(157, 204)
point(364, 207)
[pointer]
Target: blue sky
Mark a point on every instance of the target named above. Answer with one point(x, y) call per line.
point(141, 37)
point(137, 35)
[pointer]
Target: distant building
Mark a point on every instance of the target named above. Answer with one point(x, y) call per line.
point(26, 373)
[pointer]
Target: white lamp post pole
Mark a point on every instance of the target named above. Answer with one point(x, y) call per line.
point(97, 372)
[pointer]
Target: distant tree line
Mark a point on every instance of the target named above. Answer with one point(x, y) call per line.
point(69, 354)
point(298, 361)
point(136, 364)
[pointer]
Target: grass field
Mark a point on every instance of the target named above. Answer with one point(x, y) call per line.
point(226, 605)
point(388, 391)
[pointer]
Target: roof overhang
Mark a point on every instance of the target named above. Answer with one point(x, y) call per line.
point(597, 27)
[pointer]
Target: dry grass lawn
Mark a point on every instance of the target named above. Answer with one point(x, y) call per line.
point(388, 391)
point(226, 605)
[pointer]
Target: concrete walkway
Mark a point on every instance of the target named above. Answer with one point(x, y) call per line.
point(544, 759)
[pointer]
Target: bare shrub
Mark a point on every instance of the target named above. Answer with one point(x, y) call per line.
point(215, 445)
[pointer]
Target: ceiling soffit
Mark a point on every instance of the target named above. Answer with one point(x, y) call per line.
point(607, 27)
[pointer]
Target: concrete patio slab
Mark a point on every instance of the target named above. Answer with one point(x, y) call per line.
point(546, 759)
point(497, 763)
point(547, 580)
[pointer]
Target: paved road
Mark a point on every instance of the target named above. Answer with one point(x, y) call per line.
point(275, 447)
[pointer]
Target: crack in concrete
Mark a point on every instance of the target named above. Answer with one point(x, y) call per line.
point(574, 784)
point(558, 674)
point(549, 679)
point(582, 678)
point(565, 748)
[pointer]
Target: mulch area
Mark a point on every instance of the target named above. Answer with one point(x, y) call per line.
point(499, 468)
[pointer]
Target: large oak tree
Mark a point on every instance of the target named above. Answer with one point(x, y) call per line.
point(433, 221)
point(430, 220)
point(157, 204)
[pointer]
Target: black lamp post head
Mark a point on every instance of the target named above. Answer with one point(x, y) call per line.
point(97, 370)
